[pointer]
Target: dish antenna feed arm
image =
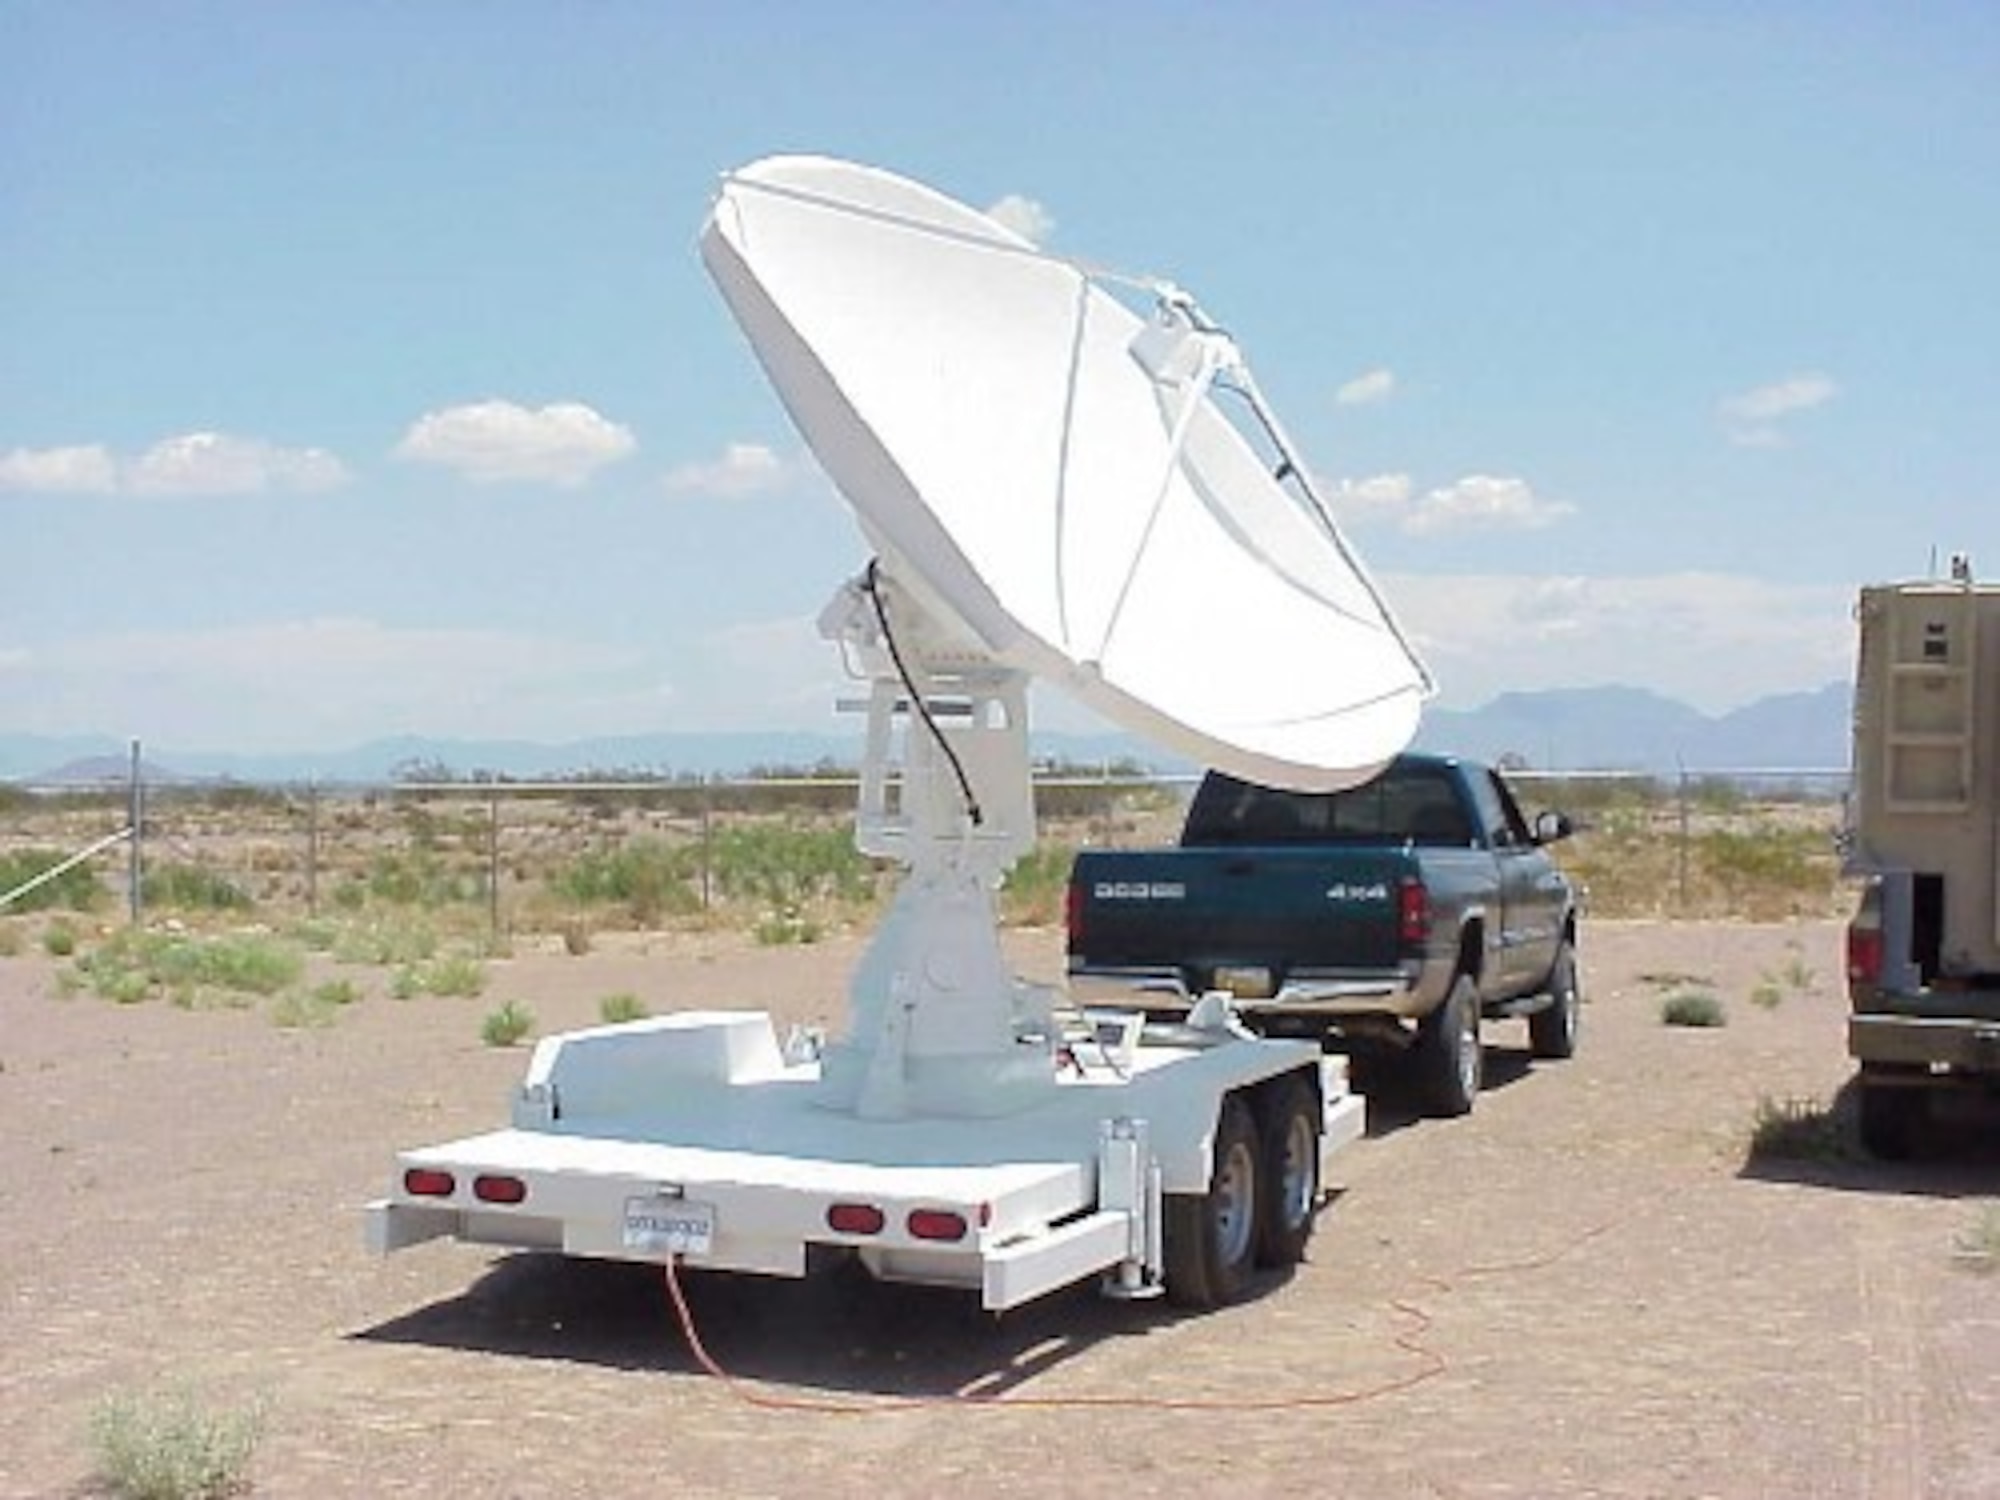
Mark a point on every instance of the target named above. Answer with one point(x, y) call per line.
point(938, 1024)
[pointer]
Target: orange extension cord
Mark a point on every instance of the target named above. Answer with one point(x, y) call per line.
point(1411, 1341)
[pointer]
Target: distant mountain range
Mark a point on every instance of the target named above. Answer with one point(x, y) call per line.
point(1606, 728)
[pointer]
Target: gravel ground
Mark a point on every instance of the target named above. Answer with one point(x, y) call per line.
point(1587, 1287)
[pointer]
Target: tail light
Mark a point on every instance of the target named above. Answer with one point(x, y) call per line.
point(494, 1188)
point(1073, 915)
point(1864, 952)
point(855, 1218)
point(936, 1224)
point(1866, 948)
point(1413, 912)
point(429, 1182)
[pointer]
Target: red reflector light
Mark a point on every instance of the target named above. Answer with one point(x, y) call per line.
point(855, 1218)
point(1413, 912)
point(499, 1189)
point(429, 1182)
point(935, 1224)
point(1864, 954)
point(1073, 916)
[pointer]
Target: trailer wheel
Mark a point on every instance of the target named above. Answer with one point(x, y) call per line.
point(1889, 1119)
point(1552, 1031)
point(1289, 1192)
point(1449, 1058)
point(1211, 1238)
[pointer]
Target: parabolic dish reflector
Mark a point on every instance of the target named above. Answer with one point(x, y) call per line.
point(1057, 474)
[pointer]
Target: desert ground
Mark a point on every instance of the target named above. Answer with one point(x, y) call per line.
point(1589, 1286)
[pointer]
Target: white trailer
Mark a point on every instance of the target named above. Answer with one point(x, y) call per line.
point(1923, 959)
point(1048, 488)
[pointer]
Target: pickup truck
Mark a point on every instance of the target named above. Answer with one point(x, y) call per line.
point(1390, 918)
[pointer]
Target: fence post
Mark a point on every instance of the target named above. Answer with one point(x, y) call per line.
point(707, 839)
point(1681, 856)
point(312, 847)
point(493, 868)
point(136, 815)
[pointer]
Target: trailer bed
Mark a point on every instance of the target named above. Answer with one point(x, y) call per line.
point(691, 1136)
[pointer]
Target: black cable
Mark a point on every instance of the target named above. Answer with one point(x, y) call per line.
point(870, 586)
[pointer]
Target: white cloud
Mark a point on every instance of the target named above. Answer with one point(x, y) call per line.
point(194, 463)
point(84, 470)
point(214, 463)
point(1024, 216)
point(1380, 497)
point(1753, 418)
point(1715, 641)
point(743, 469)
point(492, 442)
point(1375, 385)
point(1478, 502)
point(1483, 502)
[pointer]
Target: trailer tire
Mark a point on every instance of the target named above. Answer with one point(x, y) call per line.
point(1889, 1117)
point(1552, 1030)
point(1211, 1239)
point(1449, 1057)
point(1288, 1197)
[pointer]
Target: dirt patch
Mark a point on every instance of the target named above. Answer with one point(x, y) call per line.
point(1588, 1286)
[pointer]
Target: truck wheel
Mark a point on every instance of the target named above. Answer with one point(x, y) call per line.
point(1889, 1118)
point(1448, 1057)
point(1552, 1031)
point(1211, 1238)
point(1289, 1192)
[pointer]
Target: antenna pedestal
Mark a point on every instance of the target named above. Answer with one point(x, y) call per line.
point(938, 1025)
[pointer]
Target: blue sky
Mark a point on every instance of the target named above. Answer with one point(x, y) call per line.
point(358, 376)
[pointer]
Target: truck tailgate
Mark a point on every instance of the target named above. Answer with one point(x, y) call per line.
point(1286, 908)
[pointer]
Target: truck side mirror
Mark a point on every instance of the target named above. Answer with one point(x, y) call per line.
point(1551, 826)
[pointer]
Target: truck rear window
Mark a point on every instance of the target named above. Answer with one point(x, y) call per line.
point(1405, 804)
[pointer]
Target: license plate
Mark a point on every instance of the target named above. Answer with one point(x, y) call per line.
point(677, 1226)
point(1245, 982)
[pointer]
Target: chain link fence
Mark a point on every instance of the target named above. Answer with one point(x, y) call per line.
point(561, 856)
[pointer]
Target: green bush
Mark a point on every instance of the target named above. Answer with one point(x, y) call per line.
point(622, 1007)
point(1797, 1130)
point(1693, 1008)
point(1978, 1244)
point(649, 878)
point(1033, 892)
point(76, 889)
point(191, 888)
point(507, 1025)
point(779, 929)
point(169, 1446)
point(785, 867)
point(420, 878)
point(59, 940)
point(395, 942)
point(448, 974)
point(134, 965)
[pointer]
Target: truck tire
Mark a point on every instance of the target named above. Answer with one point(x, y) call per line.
point(1211, 1238)
point(1448, 1057)
point(1552, 1030)
point(1288, 1196)
point(1888, 1118)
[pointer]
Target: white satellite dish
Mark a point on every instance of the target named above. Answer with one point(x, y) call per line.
point(1056, 477)
point(1053, 490)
